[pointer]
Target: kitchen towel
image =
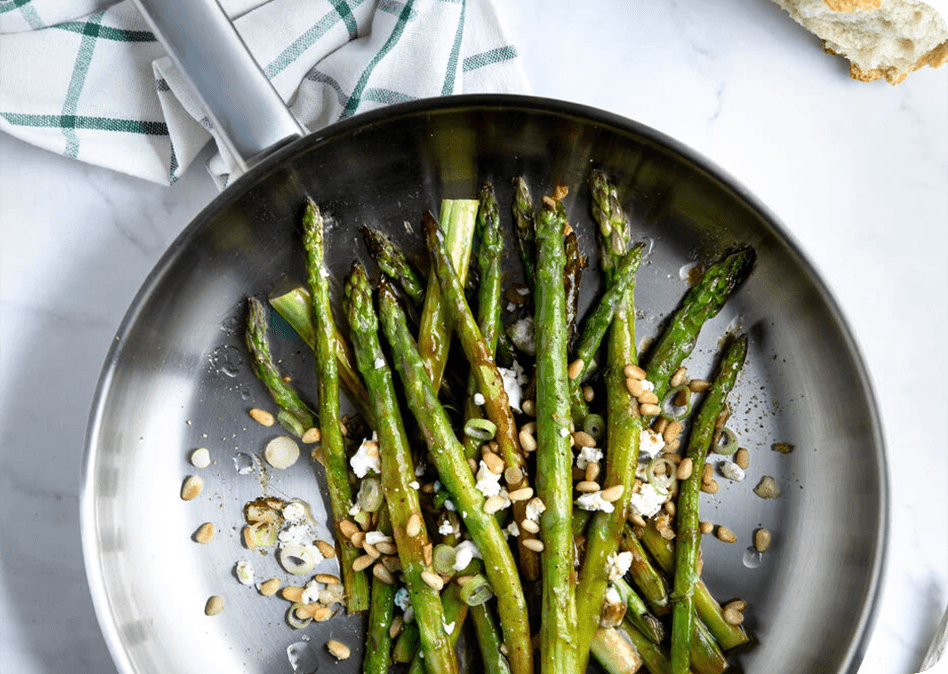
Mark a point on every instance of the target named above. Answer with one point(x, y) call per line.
point(87, 78)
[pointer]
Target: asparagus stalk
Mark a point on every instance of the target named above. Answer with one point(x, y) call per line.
point(333, 445)
point(708, 609)
point(447, 454)
point(489, 381)
point(624, 424)
point(638, 614)
point(572, 277)
point(455, 613)
point(458, 218)
point(294, 415)
point(614, 652)
point(392, 261)
point(647, 578)
point(296, 307)
point(398, 474)
point(688, 536)
point(558, 639)
point(489, 640)
point(702, 302)
point(378, 643)
point(525, 228)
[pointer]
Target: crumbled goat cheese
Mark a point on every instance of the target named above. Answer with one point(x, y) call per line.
point(448, 627)
point(523, 335)
point(619, 564)
point(588, 455)
point(376, 537)
point(361, 462)
point(648, 500)
point(564, 432)
point(612, 596)
point(449, 505)
point(294, 512)
point(311, 592)
point(512, 529)
point(296, 534)
point(535, 508)
point(244, 572)
point(647, 385)
point(379, 363)
point(488, 483)
point(419, 470)
point(650, 442)
point(479, 399)
point(332, 594)
point(414, 485)
point(732, 471)
point(514, 380)
point(402, 600)
point(446, 528)
point(464, 552)
point(594, 501)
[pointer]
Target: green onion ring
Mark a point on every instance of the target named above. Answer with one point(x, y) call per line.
point(291, 424)
point(294, 620)
point(297, 559)
point(674, 412)
point(476, 591)
point(595, 425)
point(725, 442)
point(443, 558)
point(480, 429)
point(369, 498)
point(664, 481)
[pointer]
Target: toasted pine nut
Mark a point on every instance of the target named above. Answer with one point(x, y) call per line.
point(705, 527)
point(524, 494)
point(191, 487)
point(396, 626)
point(637, 519)
point(589, 393)
point(587, 487)
point(699, 385)
point(527, 442)
point(215, 605)
point(428, 553)
point(413, 528)
point(433, 580)
point(732, 617)
point(672, 431)
point(673, 446)
point(584, 439)
point(321, 613)
point(494, 504)
point(742, 458)
point(386, 548)
point(262, 417)
point(534, 544)
point(472, 464)
point(293, 593)
point(575, 368)
point(530, 526)
point(529, 407)
point(707, 473)
point(270, 587)
point(328, 550)
point(348, 528)
point(648, 398)
point(305, 611)
point(205, 533)
point(678, 377)
point(495, 464)
point(669, 507)
point(685, 468)
point(659, 425)
point(358, 539)
point(710, 488)
point(725, 534)
point(312, 435)
point(592, 471)
point(338, 649)
point(762, 540)
point(327, 579)
point(649, 410)
point(613, 493)
point(667, 533)
point(371, 550)
point(383, 574)
point(362, 563)
point(633, 371)
point(736, 604)
point(634, 387)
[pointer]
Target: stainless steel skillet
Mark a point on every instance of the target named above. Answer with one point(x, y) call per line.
point(175, 378)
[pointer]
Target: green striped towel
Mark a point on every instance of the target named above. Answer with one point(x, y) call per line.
point(99, 88)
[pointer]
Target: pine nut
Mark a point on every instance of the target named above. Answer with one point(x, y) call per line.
point(305, 611)
point(262, 417)
point(699, 385)
point(270, 587)
point(742, 458)
point(634, 387)
point(371, 550)
point(707, 473)
point(494, 504)
point(575, 368)
point(327, 579)
point(592, 471)
point(659, 425)
point(205, 534)
point(338, 649)
point(649, 410)
point(672, 431)
point(386, 548)
point(215, 605)
point(613, 493)
point(736, 604)
point(311, 436)
point(667, 533)
point(762, 540)
point(589, 393)
point(358, 539)
point(529, 407)
point(587, 487)
point(524, 494)
point(725, 534)
point(396, 626)
point(383, 574)
point(427, 553)
point(348, 528)
point(413, 528)
point(534, 544)
point(733, 617)
point(527, 442)
point(647, 398)
point(362, 563)
point(472, 464)
point(637, 519)
point(669, 507)
point(673, 446)
point(584, 439)
point(685, 468)
point(633, 371)
point(710, 488)
point(191, 487)
point(705, 527)
point(321, 613)
point(495, 464)
point(293, 593)
point(328, 550)
point(530, 526)
point(678, 378)
point(433, 580)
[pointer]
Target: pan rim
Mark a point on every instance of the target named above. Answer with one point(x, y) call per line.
point(454, 104)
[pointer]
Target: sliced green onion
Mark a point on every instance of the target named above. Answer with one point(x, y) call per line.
point(725, 442)
point(480, 429)
point(290, 423)
point(297, 559)
point(664, 481)
point(281, 452)
point(595, 425)
point(443, 558)
point(294, 620)
point(476, 591)
point(261, 535)
point(674, 412)
point(363, 519)
point(369, 498)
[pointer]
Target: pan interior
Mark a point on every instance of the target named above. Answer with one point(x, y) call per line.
point(177, 379)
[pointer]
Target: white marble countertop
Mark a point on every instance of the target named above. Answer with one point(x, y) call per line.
point(857, 172)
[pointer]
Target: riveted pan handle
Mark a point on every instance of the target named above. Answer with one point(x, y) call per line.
point(242, 104)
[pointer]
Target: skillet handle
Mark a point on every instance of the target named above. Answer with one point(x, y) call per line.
point(242, 104)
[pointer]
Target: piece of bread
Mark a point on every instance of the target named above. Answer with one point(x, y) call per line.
point(881, 38)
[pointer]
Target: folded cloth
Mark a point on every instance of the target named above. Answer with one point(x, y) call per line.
point(101, 88)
